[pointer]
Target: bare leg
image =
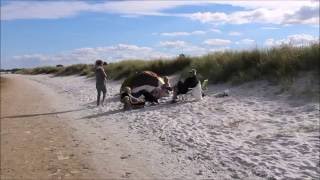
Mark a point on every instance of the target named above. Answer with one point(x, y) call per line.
point(98, 97)
point(175, 94)
point(103, 97)
point(127, 103)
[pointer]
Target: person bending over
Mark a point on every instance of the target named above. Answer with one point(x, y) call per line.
point(129, 101)
point(101, 78)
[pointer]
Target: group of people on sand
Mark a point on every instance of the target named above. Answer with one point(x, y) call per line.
point(147, 84)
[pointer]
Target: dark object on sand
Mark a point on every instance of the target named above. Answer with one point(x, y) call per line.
point(149, 84)
point(129, 101)
point(148, 79)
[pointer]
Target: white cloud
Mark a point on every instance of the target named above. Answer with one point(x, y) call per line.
point(235, 33)
point(269, 4)
point(108, 53)
point(177, 47)
point(207, 17)
point(183, 33)
point(215, 30)
point(304, 14)
point(89, 55)
point(61, 9)
point(173, 44)
point(246, 42)
point(293, 12)
point(217, 42)
point(194, 50)
point(294, 40)
point(218, 49)
point(198, 32)
point(42, 10)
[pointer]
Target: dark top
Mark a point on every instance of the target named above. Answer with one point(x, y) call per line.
point(124, 95)
point(100, 76)
point(191, 82)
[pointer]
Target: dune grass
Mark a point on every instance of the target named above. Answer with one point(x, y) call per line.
point(236, 66)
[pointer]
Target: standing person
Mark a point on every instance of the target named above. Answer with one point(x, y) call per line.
point(101, 78)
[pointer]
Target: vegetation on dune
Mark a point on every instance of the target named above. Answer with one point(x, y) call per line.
point(162, 67)
point(236, 66)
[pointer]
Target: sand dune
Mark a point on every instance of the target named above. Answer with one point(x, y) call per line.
point(260, 131)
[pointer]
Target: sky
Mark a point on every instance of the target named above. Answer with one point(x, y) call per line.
point(40, 33)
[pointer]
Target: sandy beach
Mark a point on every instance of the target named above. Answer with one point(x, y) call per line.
point(35, 141)
point(51, 128)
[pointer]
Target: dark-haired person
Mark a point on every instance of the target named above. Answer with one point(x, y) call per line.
point(183, 87)
point(101, 78)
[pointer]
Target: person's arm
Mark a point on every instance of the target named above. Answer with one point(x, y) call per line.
point(104, 73)
point(134, 100)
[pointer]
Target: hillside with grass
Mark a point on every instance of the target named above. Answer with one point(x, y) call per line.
point(279, 63)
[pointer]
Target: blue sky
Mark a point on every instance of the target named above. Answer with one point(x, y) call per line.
point(38, 33)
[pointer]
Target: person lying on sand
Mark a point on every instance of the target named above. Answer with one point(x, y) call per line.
point(148, 97)
point(149, 84)
point(101, 78)
point(129, 101)
point(156, 93)
point(183, 87)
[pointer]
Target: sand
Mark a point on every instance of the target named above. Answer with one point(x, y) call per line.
point(260, 131)
point(35, 142)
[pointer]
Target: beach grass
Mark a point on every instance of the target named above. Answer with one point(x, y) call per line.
point(276, 63)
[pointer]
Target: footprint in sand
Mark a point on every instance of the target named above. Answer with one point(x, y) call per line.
point(126, 175)
point(125, 156)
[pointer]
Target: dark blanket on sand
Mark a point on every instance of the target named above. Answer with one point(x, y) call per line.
point(141, 79)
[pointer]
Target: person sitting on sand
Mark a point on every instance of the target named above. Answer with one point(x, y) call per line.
point(166, 86)
point(156, 93)
point(149, 84)
point(101, 78)
point(183, 87)
point(129, 101)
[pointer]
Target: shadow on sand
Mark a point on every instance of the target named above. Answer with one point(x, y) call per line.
point(44, 114)
point(147, 108)
point(103, 114)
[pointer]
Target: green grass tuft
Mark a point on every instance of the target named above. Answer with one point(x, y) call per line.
point(235, 66)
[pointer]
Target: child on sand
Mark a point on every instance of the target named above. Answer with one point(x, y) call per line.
point(101, 79)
